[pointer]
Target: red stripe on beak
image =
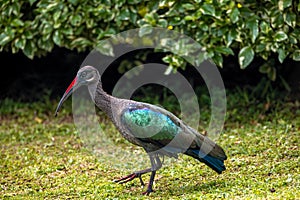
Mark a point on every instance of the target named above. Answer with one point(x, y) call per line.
point(71, 85)
point(67, 93)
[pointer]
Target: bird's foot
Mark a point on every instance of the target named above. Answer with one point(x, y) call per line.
point(130, 177)
point(148, 191)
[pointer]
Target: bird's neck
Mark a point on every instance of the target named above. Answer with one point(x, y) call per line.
point(100, 97)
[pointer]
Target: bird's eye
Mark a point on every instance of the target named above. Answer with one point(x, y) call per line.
point(83, 75)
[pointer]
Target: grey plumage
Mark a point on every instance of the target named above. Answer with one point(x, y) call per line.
point(155, 129)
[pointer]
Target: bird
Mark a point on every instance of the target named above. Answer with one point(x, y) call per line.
point(159, 132)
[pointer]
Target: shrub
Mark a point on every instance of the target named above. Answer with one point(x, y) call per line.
point(245, 28)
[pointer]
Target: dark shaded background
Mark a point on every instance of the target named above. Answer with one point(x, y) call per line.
point(27, 80)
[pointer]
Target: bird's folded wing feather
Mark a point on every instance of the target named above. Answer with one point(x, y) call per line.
point(153, 124)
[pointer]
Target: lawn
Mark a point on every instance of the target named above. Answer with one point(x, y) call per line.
point(43, 157)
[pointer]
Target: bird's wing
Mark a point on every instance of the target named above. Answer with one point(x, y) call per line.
point(147, 123)
point(206, 145)
point(155, 125)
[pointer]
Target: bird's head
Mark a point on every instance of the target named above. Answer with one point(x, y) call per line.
point(86, 75)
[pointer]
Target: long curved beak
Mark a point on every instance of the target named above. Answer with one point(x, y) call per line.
point(72, 87)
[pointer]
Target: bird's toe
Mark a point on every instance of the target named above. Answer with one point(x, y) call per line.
point(148, 191)
point(126, 179)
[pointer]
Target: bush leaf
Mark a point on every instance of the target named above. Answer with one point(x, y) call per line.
point(218, 60)
point(280, 36)
point(281, 55)
point(224, 50)
point(145, 29)
point(290, 19)
point(296, 55)
point(20, 43)
point(282, 4)
point(234, 15)
point(246, 56)
point(208, 9)
point(253, 26)
point(105, 47)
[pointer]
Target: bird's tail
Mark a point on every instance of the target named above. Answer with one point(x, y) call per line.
point(215, 163)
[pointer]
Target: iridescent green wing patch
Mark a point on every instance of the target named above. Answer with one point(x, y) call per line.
point(145, 123)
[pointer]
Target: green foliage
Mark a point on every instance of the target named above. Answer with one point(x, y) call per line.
point(251, 28)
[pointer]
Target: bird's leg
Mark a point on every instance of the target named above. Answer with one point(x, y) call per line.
point(155, 165)
point(132, 176)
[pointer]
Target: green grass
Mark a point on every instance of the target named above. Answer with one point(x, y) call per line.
point(44, 157)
